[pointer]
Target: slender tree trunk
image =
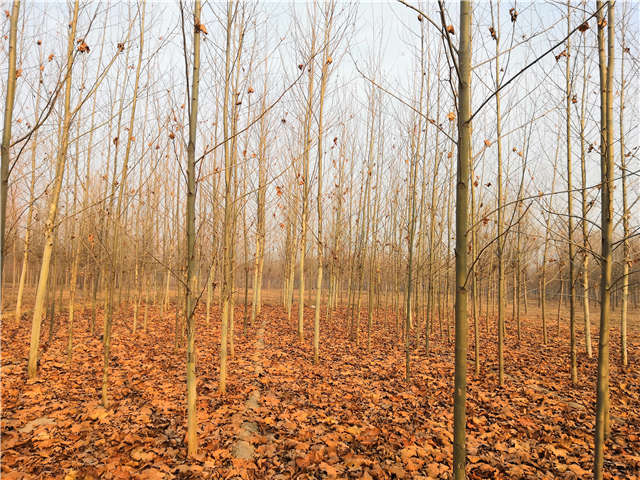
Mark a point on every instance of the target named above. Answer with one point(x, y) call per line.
point(6, 130)
point(547, 235)
point(306, 145)
point(192, 421)
point(462, 220)
point(32, 191)
point(319, 242)
point(261, 199)
point(585, 211)
point(50, 226)
point(606, 171)
point(573, 367)
point(474, 277)
point(228, 211)
point(626, 248)
point(75, 252)
point(500, 226)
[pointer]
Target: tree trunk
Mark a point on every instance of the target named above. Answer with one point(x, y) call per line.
point(500, 226)
point(50, 225)
point(6, 131)
point(606, 172)
point(191, 299)
point(319, 242)
point(585, 211)
point(462, 220)
point(626, 248)
point(32, 191)
point(573, 367)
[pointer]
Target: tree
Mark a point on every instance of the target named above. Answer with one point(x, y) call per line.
point(626, 213)
point(304, 179)
point(326, 62)
point(32, 189)
point(500, 226)
point(462, 220)
point(606, 64)
point(227, 263)
point(6, 129)
point(53, 202)
point(573, 368)
point(192, 426)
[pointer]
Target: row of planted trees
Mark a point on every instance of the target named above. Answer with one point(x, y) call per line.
point(343, 191)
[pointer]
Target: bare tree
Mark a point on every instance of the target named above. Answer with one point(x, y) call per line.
point(6, 129)
point(462, 221)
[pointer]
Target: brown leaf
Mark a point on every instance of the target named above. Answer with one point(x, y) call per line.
point(142, 455)
point(329, 470)
point(152, 474)
point(583, 27)
point(99, 413)
point(83, 47)
point(201, 28)
point(29, 427)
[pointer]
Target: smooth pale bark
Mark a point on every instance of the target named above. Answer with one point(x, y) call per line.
point(415, 153)
point(100, 262)
point(462, 221)
point(258, 267)
point(139, 268)
point(518, 264)
point(373, 282)
point(410, 238)
point(306, 145)
point(432, 225)
point(626, 248)
point(245, 229)
point(32, 190)
point(362, 222)
point(6, 129)
point(319, 241)
point(367, 226)
point(474, 276)
point(50, 225)
point(573, 367)
point(75, 252)
point(234, 176)
point(585, 211)
point(85, 201)
point(192, 421)
point(500, 226)
point(228, 211)
point(545, 251)
point(337, 232)
point(215, 180)
point(606, 174)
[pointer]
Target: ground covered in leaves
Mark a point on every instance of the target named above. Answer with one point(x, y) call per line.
point(351, 416)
